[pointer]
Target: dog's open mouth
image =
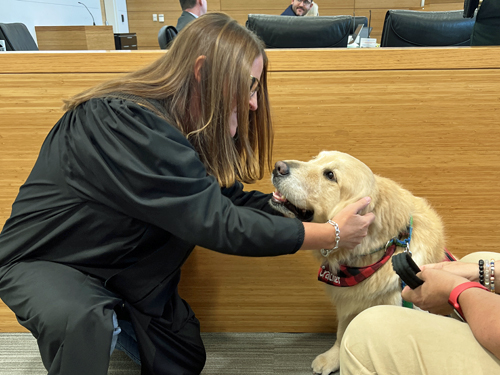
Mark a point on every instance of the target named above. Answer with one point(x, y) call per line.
point(282, 204)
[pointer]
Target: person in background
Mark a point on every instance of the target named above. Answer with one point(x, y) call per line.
point(486, 31)
point(314, 11)
point(298, 8)
point(191, 10)
point(137, 172)
point(397, 340)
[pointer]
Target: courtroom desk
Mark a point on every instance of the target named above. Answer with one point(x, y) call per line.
point(125, 41)
point(62, 38)
point(427, 118)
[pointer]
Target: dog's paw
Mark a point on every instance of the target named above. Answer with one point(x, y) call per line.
point(327, 362)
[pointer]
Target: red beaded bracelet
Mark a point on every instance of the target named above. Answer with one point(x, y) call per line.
point(455, 293)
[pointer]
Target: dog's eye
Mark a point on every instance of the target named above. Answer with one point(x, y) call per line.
point(330, 175)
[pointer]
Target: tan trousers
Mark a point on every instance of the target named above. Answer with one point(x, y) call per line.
point(391, 340)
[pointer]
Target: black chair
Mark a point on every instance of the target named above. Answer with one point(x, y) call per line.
point(166, 35)
point(301, 32)
point(359, 21)
point(17, 37)
point(413, 28)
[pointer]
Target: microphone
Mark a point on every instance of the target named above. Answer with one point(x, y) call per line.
point(369, 24)
point(93, 21)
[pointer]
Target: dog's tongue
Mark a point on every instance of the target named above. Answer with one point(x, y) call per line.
point(278, 197)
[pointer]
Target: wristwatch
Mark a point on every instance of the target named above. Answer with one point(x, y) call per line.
point(455, 293)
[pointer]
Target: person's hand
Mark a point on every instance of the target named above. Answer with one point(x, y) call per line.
point(433, 294)
point(353, 226)
point(468, 270)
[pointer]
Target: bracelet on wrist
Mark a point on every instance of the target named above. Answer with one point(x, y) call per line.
point(481, 271)
point(487, 274)
point(492, 275)
point(455, 293)
point(326, 252)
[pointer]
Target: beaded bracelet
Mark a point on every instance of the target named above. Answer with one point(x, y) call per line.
point(492, 275)
point(481, 271)
point(487, 274)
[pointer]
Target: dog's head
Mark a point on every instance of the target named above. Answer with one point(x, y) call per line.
point(318, 189)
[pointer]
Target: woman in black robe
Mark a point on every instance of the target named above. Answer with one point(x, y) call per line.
point(137, 172)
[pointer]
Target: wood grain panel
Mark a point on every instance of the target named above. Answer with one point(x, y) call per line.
point(387, 4)
point(256, 6)
point(436, 2)
point(441, 7)
point(56, 38)
point(140, 17)
point(410, 114)
point(289, 60)
point(154, 6)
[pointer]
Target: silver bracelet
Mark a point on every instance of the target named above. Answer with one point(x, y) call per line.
point(326, 252)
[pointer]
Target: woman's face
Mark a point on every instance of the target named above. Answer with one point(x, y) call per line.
point(256, 71)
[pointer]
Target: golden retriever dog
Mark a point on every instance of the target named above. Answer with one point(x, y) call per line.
point(317, 190)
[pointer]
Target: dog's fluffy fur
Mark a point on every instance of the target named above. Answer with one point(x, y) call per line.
point(323, 186)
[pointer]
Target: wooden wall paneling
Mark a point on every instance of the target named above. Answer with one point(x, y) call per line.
point(387, 4)
point(331, 4)
point(140, 16)
point(56, 38)
point(441, 7)
point(153, 6)
point(436, 2)
point(409, 114)
point(147, 30)
point(140, 19)
point(256, 6)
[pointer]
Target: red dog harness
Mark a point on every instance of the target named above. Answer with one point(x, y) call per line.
point(350, 276)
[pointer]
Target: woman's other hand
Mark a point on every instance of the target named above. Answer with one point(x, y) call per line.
point(433, 294)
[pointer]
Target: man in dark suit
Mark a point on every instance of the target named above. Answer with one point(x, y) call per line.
point(298, 8)
point(191, 10)
point(486, 31)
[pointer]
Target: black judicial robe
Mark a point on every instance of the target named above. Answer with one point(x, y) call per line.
point(120, 194)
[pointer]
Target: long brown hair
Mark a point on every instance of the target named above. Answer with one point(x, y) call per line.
point(224, 81)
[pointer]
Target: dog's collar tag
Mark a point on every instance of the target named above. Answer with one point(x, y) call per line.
point(350, 276)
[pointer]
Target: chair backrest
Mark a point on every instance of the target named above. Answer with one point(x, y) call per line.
point(413, 28)
point(301, 32)
point(359, 20)
point(17, 37)
point(166, 35)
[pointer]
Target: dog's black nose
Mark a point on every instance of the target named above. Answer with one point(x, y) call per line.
point(281, 169)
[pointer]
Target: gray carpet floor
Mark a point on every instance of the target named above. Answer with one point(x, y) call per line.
point(227, 353)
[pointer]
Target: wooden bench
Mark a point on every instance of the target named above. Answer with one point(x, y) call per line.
point(427, 118)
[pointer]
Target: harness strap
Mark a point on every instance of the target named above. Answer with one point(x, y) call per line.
point(350, 276)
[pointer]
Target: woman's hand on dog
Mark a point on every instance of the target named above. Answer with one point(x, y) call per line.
point(433, 294)
point(353, 226)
